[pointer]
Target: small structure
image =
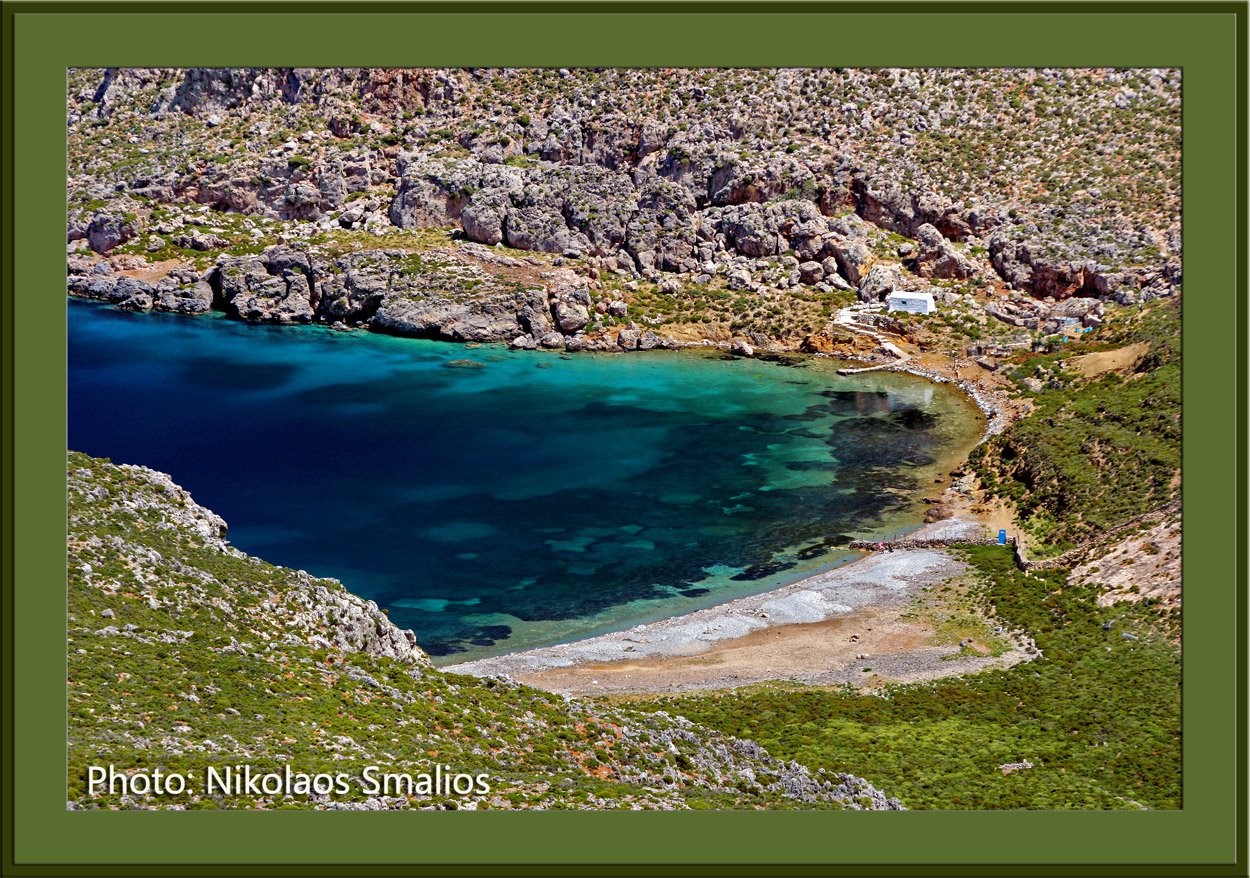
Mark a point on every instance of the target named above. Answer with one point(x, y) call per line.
point(911, 302)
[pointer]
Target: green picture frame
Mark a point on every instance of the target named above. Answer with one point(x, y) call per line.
point(1208, 40)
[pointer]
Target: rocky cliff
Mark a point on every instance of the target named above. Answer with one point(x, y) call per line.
point(184, 653)
point(770, 189)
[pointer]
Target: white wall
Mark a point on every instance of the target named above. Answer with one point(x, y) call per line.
point(911, 306)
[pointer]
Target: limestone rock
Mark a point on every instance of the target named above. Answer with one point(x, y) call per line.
point(880, 281)
point(107, 231)
point(935, 257)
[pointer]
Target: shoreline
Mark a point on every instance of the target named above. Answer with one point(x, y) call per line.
point(790, 631)
point(998, 412)
point(856, 623)
point(814, 640)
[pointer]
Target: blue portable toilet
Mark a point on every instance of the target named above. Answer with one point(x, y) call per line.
point(1002, 537)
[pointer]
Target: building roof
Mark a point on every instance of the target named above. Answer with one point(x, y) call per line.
point(924, 295)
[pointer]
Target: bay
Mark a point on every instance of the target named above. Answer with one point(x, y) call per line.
point(493, 500)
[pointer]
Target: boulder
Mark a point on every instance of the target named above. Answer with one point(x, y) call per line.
point(570, 316)
point(202, 242)
point(936, 257)
point(880, 281)
point(107, 231)
point(739, 279)
point(482, 223)
point(811, 272)
point(853, 258)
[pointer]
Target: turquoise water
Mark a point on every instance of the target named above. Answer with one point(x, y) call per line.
point(495, 500)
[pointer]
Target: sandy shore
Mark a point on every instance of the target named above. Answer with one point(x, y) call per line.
point(856, 623)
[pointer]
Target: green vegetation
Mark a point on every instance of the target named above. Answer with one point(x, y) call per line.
point(801, 311)
point(1096, 451)
point(184, 653)
point(955, 612)
point(1098, 715)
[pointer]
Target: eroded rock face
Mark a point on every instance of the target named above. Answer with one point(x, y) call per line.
point(852, 258)
point(193, 298)
point(441, 294)
point(649, 224)
point(491, 320)
point(643, 173)
point(106, 231)
point(936, 257)
point(880, 281)
point(266, 289)
point(182, 291)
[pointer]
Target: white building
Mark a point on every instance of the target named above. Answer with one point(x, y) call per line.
point(912, 303)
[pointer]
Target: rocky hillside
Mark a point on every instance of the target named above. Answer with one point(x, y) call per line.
point(688, 204)
point(186, 654)
point(1102, 446)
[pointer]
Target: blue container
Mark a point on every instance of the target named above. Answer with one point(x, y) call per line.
point(1002, 537)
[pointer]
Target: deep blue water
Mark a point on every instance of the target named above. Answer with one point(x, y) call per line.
point(525, 498)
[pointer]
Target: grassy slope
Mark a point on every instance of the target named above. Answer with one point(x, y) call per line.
point(1096, 451)
point(1098, 715)
point(185, 653)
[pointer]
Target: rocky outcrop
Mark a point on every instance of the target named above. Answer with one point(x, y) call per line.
point(277, 287)
point(648, 173)
point(182, 291)
point(490, 320)
point(880, 281)
point(221, 652)
point(449, 294)
point(106, 231)
point(891, 206)
point(851, 257)
point(935, 257)
point(318, 613)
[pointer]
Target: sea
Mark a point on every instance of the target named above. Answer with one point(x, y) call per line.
point(494, 500)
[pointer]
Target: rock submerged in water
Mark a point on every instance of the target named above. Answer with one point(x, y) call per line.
point(463, 364)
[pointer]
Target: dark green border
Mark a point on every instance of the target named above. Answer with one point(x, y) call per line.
point(1208, 39)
